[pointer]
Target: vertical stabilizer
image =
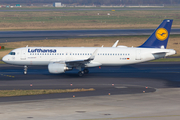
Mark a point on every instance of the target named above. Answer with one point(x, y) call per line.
point(160, 36)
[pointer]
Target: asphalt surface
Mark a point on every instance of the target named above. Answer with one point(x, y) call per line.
point(13, 36)
point(130, 79)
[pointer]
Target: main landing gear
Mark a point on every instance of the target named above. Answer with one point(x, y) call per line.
point(25, 69)
point(86, 71)
point(81, 73)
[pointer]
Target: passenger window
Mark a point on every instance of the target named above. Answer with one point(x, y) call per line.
point(57, 53)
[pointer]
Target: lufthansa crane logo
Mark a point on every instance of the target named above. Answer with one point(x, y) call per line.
point(161, 34)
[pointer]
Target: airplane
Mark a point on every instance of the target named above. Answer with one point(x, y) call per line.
point(62, 59)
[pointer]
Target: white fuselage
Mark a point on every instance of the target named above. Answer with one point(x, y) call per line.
point(106, 56)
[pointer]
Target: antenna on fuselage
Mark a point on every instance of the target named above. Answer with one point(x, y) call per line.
point(26, 45)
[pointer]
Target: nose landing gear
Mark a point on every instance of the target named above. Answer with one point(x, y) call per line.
point(86, 71)
point(25, 69)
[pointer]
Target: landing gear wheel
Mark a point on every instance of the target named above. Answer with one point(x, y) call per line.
point(81, 73)
point(25, 70)
point(86, 71)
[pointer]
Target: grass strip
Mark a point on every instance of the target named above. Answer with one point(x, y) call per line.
point(1, 62)
point(6, 49)
point(58, 20)
point(10, 93)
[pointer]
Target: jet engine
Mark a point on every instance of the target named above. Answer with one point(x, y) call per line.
point(57, 68)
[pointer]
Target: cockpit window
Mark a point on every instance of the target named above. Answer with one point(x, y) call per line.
point(12, 53)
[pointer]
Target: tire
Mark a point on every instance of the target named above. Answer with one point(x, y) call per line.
point(81, 73)
point(86, 71)
point(25, 72)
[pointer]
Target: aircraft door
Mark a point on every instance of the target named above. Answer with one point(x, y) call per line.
point(23, 54)
point(138, 54)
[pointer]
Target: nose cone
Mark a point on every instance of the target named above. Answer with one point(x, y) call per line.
point(4, 59)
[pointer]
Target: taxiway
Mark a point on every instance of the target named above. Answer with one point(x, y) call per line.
point(160, 101)
point(116, 80)
point(14, 36)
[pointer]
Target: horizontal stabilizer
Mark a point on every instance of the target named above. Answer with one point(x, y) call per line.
point(159, 52)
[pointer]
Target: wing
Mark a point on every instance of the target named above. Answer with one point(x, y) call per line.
point(83, 61)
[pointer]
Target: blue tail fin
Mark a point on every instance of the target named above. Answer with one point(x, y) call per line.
point(160, 36)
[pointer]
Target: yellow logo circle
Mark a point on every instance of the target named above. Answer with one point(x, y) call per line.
point(161, 34)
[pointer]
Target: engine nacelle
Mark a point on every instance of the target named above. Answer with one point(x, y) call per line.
point(57, 68)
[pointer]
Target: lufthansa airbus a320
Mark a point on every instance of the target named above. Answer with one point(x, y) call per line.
point(62, 59)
